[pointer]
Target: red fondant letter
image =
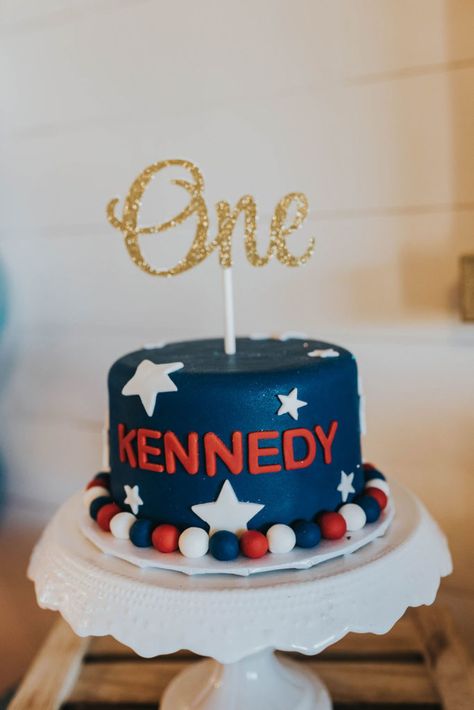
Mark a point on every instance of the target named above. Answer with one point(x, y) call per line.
point(326, 440)
point(213, 446)
point(255, 452)
point(125, 445)
point(288, 452)
point(144, 450)
point(175, 450)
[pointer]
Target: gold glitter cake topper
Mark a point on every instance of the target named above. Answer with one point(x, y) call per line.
point(281, 225)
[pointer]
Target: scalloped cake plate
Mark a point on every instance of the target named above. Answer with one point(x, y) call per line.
point(298, 558)
point(230, 617)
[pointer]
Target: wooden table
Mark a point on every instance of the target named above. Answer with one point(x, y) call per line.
point(421, 664)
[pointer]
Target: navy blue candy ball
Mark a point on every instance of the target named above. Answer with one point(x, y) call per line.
point(97, 504)
point(370, 507)
point(224, 545)
point(104, 477)
point(140, 533)
point(307, 534)
point(373, 473)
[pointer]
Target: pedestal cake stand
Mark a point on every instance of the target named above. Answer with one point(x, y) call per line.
point(239, 621)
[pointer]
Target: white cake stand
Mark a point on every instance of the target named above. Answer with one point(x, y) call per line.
point(239, 622)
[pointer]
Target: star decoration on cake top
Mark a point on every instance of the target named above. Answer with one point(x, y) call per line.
point(227, 512)
point(323, 352)
point(345, 487)
point(133, 498)
point(290, 403)
point(149, 380)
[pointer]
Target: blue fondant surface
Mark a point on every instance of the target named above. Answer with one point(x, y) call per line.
point(224, 545)
point(140, 533)
point(223, 394)
point(308, 534)
point(374, 473)
point(370, 507)
point(97, 504)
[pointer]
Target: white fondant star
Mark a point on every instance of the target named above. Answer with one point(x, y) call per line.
point(345, 487)
point(155, 346)
point(292, 335)
point(227, 512)
point(325, 352)
point(149, 380)
point(132, 498)
point(290, 403)
point(260, 336)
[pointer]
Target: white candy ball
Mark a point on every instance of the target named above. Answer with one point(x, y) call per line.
point(354, 516)
point(93, 493)
point(379, 483)
point(281, 538)
point(120, 525)
point(193, 542)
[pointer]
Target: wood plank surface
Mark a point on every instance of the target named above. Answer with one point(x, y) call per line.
point(401, 641)
point(125, 681)
point(347, 681)
point(446, 658)
point(418, 664)
point(53, 671)
point(370, 682)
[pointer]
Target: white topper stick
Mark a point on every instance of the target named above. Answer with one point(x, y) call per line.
point(229, 324)
point(105, 444)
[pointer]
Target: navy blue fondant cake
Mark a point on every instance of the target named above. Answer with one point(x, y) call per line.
point(262, 447)
point(225, 421)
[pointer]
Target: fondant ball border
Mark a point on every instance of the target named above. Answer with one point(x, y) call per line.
point(193, 542)
point(97, 504)
point(333, 526)
point(140, 532)
point(354, 516)
point(254, 544)
point(120, 525)
point(91, 494)
point(379, 495)
point(307, 534)
point(370, 507)
point(371, 472)
point(281, 539)
point(105, 515)
point(225, 545)
point(165, 538)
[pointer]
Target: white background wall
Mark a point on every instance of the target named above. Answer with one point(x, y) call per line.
point(366, 105)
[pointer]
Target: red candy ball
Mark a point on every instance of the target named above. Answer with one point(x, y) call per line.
point(96, 482)
point(164, 538)
point(253, 544)
point(105, 515)
point(368, 467)
point(333, 526)
point(379, 496)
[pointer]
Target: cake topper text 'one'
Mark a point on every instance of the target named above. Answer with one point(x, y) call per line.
point(282, 225)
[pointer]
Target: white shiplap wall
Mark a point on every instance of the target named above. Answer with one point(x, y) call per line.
point(367, 105)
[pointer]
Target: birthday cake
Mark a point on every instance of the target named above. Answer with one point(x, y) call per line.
point(246, 454)
point(231, 448)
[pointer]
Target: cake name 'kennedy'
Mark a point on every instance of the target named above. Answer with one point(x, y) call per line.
point(135, 449)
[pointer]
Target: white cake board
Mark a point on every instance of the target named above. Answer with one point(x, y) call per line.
point(298, 558)
point(239, 621)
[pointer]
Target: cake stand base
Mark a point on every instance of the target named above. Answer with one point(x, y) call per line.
point(258, 681)
point(239, 621)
